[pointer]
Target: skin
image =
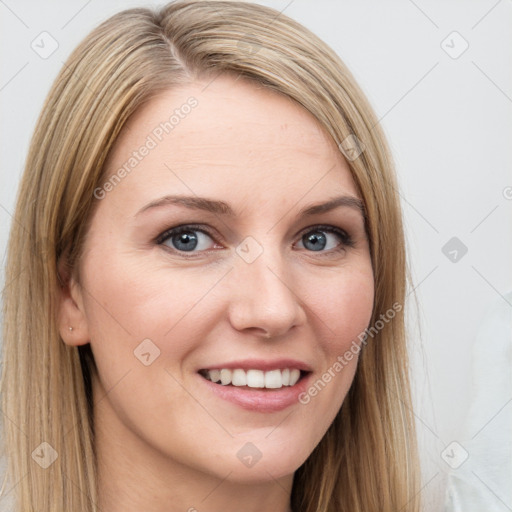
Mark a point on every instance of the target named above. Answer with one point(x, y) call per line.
point(165, 442)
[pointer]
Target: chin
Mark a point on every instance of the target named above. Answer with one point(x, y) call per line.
point(259, 461)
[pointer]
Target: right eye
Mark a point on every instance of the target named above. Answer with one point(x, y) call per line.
point(186, 238)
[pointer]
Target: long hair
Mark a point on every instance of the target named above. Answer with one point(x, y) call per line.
point(367, 460)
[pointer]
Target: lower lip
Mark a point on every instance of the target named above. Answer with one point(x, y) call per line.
point(268, 400)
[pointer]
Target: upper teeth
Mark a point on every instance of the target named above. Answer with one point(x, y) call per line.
point(255, 378)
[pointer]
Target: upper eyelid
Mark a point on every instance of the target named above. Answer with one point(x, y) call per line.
point(192, 227)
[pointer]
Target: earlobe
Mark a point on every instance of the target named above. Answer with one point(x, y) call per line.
point(72, 320)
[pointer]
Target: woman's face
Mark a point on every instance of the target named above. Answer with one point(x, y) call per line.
point(212, 257)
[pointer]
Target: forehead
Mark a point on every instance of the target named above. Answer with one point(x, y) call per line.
point(227, 138)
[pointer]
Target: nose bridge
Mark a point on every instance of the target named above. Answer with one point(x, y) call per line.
point(264, 298)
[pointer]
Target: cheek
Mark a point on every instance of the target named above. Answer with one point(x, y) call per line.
point(341, 310)
point(144, 323)
point(343, 306)
point(129, 301)
point(126, 295)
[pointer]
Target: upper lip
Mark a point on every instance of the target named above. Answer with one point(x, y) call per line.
point(261, 364)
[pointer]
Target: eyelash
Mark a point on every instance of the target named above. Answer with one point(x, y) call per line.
point(346, 240)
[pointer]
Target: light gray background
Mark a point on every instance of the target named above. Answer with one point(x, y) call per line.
point(449, 122)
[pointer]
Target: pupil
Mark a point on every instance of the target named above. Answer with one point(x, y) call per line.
point(185, 241)
point(317, 241)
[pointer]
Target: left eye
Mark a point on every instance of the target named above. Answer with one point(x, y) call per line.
point(316, 239)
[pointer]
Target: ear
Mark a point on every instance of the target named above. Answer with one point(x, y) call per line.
point(72, 320)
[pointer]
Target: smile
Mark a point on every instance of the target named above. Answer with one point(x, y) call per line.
point(253, 378)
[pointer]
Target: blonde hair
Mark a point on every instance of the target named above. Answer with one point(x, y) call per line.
point(367, 461)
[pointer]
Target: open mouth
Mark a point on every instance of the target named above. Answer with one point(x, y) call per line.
point(254, 379)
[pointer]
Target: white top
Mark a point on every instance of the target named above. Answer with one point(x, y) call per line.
point(483, 482)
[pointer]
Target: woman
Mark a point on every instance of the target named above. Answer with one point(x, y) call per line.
point(210, 278)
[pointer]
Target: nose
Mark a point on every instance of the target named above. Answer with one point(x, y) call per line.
point(263, 298)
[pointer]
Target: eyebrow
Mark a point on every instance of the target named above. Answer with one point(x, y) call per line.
point(222, 208)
